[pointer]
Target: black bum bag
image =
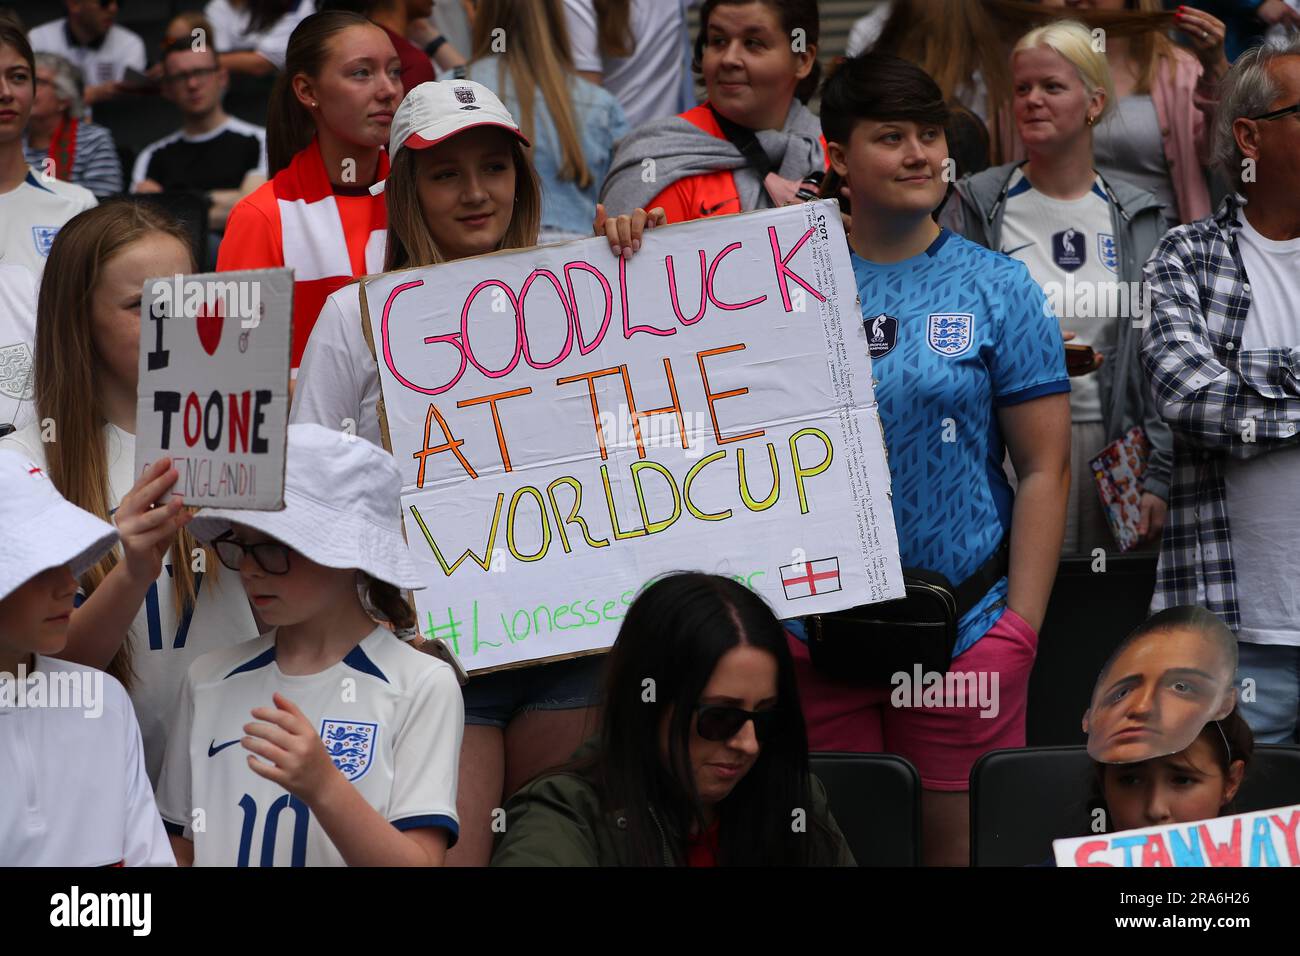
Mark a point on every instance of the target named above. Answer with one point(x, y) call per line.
point(872, 642)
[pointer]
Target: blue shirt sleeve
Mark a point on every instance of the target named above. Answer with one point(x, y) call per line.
point(1029, 360)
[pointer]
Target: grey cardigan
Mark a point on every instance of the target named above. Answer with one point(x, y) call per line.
point(975, 211)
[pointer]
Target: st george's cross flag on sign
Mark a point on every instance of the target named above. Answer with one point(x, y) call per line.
point(810, 577)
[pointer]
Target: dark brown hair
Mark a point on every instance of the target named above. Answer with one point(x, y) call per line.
point(388, 601)
point(11, 34)
point(614, 28)
point(289, 127)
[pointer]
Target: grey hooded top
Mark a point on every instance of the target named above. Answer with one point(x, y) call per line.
point(681, 149)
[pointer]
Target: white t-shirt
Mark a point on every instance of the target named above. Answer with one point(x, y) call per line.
point(74, 789)
point(338, 378)
point(647, 83)
point(105, 63)
point(17, 346)
point(230, 24)
point(1069, 249)
point(32, 213)
point(1261, 492)
point(396, 737)
point(163, 643)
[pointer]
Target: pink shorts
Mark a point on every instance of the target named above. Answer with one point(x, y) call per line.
point(942, 728)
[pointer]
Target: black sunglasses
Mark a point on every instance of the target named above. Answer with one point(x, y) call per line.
point(271, 556)
point(1278, 114)
point(714, 722)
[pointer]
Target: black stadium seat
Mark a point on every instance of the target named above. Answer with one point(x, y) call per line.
point(1022, 800)
point(876, 800)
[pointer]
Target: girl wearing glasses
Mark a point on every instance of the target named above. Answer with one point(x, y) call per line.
point(148, 609)
point(361, 730)
point(702, 759)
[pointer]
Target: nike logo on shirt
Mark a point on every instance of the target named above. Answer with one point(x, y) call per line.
point(213, 749)
point(712, 209)
point(1007, 252)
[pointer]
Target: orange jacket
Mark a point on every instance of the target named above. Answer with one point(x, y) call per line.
point(708, 194)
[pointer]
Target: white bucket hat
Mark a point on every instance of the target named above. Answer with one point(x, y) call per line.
point(341, 507)
point(40, 529)
point(430, 112)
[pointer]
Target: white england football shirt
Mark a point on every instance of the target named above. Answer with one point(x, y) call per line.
point(32, 213)
point(391, 718)
point(164, 643)
point(1069, 248)
point(105, 62)
point(73, 789)
point(17, 346)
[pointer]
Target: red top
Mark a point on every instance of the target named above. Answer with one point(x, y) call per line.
point(416, 67)
point(702, 849)
point(707, 194)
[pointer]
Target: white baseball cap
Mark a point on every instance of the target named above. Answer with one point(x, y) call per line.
point(431, 112)
point(341, 507)
point(40, 529)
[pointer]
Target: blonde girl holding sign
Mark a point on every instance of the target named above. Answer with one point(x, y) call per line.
point(460, 185)
point(151, 606)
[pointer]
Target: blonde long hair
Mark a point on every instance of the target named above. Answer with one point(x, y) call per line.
point(68, 378)
point(409, 241)
point(536, 57)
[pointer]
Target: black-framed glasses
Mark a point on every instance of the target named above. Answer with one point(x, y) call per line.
point(271, 556)
point(1278, 114)
point(714, 722)
point(183, 79)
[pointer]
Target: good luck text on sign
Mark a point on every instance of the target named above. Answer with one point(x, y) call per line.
point(570, 426)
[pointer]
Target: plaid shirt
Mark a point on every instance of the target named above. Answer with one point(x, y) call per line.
point(1219, 400)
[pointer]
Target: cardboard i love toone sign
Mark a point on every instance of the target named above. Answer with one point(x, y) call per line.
point(213, 391)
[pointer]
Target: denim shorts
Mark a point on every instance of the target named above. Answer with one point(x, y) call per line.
point(493, 700)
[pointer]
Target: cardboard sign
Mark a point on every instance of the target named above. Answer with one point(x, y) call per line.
point(1263, 838)
point(214, 384)
point(570, 426)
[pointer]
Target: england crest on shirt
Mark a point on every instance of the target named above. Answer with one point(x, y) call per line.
point(950, 333)
point(350, 744)
point(43, 238)
point(1107, 252)
point(882, 335)
point(16, 379)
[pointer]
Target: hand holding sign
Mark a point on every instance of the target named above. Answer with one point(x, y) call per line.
point(624, 232)
point(147, 524)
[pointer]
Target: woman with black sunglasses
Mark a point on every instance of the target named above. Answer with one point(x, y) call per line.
point(702, 758)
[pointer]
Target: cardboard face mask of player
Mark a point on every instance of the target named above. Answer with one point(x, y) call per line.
point(1158, 693)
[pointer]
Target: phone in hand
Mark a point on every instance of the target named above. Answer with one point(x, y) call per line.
point(1079, 359)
